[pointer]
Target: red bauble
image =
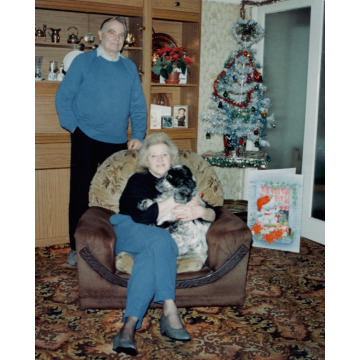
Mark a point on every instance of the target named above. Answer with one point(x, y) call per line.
point(256, 132)
point(257, 76)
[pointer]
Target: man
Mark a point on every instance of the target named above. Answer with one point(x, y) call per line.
point(99, 93)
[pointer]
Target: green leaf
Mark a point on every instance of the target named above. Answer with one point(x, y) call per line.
point(156, 69)
point(169, 68)
point(164, 73)
point(182, 66)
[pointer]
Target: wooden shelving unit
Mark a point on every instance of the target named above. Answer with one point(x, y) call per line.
point(181, 20)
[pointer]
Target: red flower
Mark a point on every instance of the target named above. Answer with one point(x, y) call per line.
point(257, 229)
point(170, 58)
point(188, 60)
point(273, 236)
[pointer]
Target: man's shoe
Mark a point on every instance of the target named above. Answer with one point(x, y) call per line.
point(72, 258)
point(124, 345)
point(175, 334)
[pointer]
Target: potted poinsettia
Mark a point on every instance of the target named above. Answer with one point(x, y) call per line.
point(171, 61)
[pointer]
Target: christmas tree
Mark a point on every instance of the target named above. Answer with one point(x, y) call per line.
point(240, 111)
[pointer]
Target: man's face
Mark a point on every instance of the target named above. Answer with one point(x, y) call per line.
point(112, 37)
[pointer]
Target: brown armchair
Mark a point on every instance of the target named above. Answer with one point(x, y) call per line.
point(103, 286)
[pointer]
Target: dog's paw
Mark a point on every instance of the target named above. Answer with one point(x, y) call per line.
point(189, 263)
point(144, 204)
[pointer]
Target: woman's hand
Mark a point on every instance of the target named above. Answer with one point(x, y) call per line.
point(165, 208)
point(193, 210)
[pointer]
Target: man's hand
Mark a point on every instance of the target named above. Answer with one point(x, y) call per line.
point(134, 144)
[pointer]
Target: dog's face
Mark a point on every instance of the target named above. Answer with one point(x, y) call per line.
point(181, 175)
point(180, 180)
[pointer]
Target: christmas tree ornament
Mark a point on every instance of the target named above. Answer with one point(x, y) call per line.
point(247, 32)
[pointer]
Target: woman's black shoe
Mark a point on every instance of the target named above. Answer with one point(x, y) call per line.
point(175, 334)
point(124, 345)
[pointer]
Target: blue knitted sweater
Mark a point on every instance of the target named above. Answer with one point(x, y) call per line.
point(99, 96)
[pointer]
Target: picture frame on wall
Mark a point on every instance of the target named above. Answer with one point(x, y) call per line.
point(274, 209)
point(166, 122)
point(180, 116)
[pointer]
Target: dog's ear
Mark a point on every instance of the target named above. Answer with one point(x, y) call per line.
point(188, 173)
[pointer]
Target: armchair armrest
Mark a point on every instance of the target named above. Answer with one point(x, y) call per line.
point(95, 232)
point(225, 236)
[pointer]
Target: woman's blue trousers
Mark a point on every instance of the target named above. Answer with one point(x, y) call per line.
point(153, 275)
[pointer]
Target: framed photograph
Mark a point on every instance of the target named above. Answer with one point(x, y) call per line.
point(274, 209)
point(180, 116)
point(166, 122)
point(156, 113)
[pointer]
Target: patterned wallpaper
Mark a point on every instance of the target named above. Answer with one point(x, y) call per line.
point(217, 42)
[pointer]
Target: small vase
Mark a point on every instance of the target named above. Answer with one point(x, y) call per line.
point(173, 78)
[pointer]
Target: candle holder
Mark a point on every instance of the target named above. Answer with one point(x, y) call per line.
point(53, 67)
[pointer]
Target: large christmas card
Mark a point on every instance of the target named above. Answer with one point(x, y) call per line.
point(274, 209)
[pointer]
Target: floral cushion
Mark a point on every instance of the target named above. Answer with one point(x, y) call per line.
point(112, 175)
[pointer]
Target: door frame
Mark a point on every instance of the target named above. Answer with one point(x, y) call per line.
point(311, 228)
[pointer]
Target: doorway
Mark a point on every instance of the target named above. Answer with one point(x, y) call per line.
point(292, 56)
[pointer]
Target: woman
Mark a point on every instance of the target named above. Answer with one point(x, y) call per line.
point(154, 251)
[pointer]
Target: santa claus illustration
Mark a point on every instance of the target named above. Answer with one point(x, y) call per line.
point(268, 209)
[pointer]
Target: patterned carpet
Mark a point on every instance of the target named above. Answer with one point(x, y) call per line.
point(283, 316)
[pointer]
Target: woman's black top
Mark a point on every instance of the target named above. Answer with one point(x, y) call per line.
point(140, 186)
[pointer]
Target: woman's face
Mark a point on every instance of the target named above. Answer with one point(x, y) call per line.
point(158, 159)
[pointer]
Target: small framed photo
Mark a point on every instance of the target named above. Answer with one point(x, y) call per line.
point(156, 114)
point(166, 122)
point(180, 116)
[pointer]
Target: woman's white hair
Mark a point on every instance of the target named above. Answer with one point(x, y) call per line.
point(154, 139)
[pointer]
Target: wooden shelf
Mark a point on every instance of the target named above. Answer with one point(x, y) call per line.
point(175, 85)
point(99, 7)
point(178, 133)
point(52, 138)
point(79, 46)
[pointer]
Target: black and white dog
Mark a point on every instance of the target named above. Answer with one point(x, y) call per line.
point(190, 236)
